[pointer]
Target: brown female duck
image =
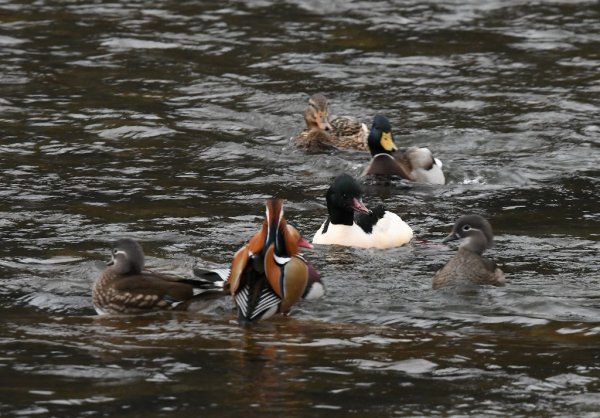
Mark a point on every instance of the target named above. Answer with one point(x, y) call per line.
point(469, 265)
point(321, 134)
point(125, 287)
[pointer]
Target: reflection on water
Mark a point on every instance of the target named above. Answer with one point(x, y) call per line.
point(170, 123)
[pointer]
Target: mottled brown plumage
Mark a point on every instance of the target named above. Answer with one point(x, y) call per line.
point(125, 287)
point(321, 134)
point(315, 141)
point(349, 133)
point(468, 265)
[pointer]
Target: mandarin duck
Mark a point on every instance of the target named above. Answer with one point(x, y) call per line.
point(125, 287)
point(468, 265)
point(268, 275)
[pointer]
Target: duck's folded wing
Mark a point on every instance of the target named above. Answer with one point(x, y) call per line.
point(211, 277)
point(149, 291)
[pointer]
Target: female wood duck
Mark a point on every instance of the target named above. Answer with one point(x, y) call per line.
point(321, 134)
point(468, 265)
point(125, 287)
point(267, 274)
point(414, 164)
point(377, 228)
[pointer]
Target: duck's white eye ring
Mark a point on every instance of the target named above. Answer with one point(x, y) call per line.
point(466, 227)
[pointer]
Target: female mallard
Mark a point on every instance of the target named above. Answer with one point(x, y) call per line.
point(342, 132)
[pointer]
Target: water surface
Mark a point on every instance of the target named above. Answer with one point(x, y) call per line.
point(169, 122)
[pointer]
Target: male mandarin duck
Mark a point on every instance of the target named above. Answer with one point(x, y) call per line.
point(268, 275)
point(469, 265)
point(350, 223)
point(415, 163)
point(321, 134)
point(125, 287)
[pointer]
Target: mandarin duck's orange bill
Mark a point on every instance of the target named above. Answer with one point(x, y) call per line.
point(267, 274)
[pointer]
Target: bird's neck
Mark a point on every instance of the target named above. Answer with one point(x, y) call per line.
point(475, 243)
point(340, 217)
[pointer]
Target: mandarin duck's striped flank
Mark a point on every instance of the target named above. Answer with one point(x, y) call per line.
point(267, 274)
point(322, 134)
point(125, 287)
point(469, 266)
point(415, 163)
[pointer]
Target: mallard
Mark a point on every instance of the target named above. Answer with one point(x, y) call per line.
point(415, 163)
point(342, 132)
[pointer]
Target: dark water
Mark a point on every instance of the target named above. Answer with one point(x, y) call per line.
point(170, 121)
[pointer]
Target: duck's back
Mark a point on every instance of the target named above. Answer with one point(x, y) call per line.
point(391, 231)
point(424, 167)
point(349, 133)
point(468, 266)
point(348, 235)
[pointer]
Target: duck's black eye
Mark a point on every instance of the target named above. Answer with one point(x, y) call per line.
point(466, 227)
point(114, 251)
